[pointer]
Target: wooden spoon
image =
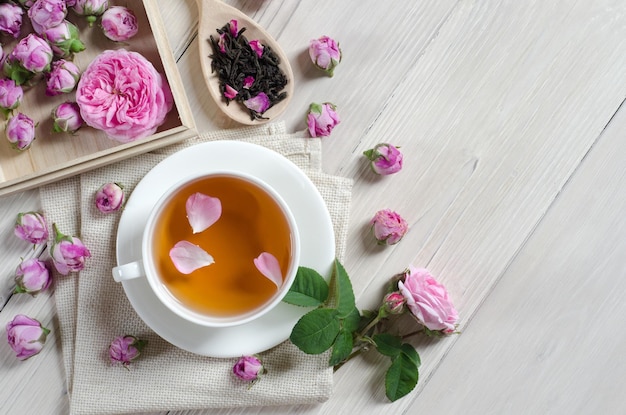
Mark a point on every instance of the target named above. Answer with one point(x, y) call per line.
point(213, 15)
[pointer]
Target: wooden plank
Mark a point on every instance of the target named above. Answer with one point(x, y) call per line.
point(546, 339)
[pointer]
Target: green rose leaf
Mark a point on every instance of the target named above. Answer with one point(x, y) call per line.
point(352, 321)
point(342, 347)
point(388, 344)
point(402, 375)
point(309, 289)
point(316, 331)
point(343, 291)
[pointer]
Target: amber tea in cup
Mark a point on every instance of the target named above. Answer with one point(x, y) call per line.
point(230, 290)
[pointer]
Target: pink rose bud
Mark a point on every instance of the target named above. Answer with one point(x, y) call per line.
point(66, 117)
point(123, 117)
point(64, 39)
point(325, 54)
point(11, 19)
point(249, 368)
point(384, 159)
point(119, 23)
point(31, 227)
point(26, 336)
point(45, 14)
point(388, 227)
point(428, 300)
point(20, 131)
point(63, 77)
point(110, 198)
point(32, 55)
point(68, 252)
point(125, 349)
point(32, 276)
point(11, 95)
point(394, 303)
point(91, 9)
point(321, 119)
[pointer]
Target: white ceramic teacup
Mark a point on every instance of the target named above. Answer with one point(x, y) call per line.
point(251, 210)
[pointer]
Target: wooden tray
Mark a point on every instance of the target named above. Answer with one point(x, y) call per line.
point(54, 156)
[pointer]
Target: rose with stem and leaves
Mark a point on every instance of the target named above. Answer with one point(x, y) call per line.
point(336, 323)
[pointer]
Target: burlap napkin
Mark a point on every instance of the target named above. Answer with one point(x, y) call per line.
point(93, 309)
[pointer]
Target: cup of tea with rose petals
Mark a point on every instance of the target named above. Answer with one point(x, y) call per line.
point(219, 249)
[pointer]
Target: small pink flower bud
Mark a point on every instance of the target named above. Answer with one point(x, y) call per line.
point(91, 9)
point(64, 39)
point(26, 336)
point(394, 303)
point(32, 55)
point(20, 131)
point(11, 95)
point(125, 349)
point(31, 227)
point(321, 119)
point(249, 368)
point(110, 198)
point(384, 159)
point(45, 14)
point(11, 19)
point(63, 77)
point(119, 23)
point(67, 118)
point(388, 227)
point(325, 54)
point(32, 276)
point(68, 252)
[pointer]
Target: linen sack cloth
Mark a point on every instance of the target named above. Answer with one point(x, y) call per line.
point(93, 309)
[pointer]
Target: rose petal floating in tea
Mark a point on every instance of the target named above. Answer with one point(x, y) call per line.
point(202, 211)
point(268, 265)
point(188, 257)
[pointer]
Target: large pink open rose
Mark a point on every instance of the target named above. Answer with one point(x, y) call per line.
point(122, 94)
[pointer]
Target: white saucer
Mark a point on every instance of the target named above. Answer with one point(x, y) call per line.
point(309, 209)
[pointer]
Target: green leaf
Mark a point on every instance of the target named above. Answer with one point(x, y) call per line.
point(308, 290)
point(316, 331)
point(410, 352)
point(401, 377)
point(342, 348)
point(388, 344)
point(343, 291)
point(352, 321)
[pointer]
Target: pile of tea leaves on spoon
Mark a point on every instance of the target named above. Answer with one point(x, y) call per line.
point(248, 71)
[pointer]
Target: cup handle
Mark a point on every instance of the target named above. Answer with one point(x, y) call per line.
point(129, 271)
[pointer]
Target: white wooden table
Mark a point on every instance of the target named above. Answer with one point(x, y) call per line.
point(511, 118)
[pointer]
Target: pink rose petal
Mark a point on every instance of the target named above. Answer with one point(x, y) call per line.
point(188, 257)
point(202, 211)
point(268, 265)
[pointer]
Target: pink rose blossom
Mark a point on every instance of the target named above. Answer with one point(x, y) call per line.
point(68, 252)
point(248, 368)
point(63, 78)
point(122, 94)
point(11, 19)
point(119, 23)
point(388, 227)
point(125, 349)
point(32, 55)
point(45, 14)
point(322, 119)
point(66, 118)
point(32, 276)
point(31, 227)
point(257, 47)
point(188, 257)
point(325, 54)
point(110, 198)
point(269, 267)
point(202, 211)
point(64, 39)
point(11, 95)
point(428, 300)
point(384, 159)
point(259, 103)
point(91, 9)
point(20, 131)
point(26, 336)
